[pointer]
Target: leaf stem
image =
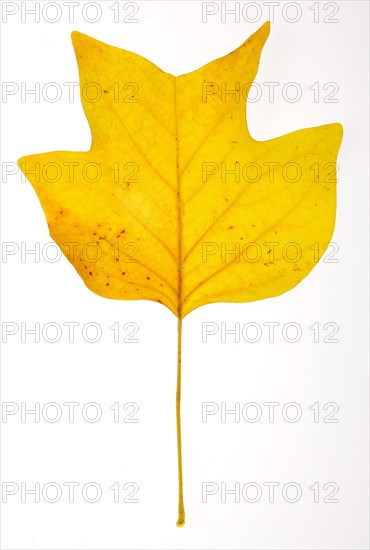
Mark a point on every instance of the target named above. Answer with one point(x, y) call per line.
point(181, 518)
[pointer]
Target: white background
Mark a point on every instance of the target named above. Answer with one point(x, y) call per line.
point(172, 35)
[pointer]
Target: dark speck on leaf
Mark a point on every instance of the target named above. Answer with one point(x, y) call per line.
point(123, 272)
point(148, 278)
point(90, 272)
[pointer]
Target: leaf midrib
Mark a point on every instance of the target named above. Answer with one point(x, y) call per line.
point(179, 214)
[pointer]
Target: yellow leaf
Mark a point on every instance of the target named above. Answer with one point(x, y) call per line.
point(175, 201)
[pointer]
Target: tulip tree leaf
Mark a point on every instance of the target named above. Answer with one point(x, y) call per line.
point(175, 201)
